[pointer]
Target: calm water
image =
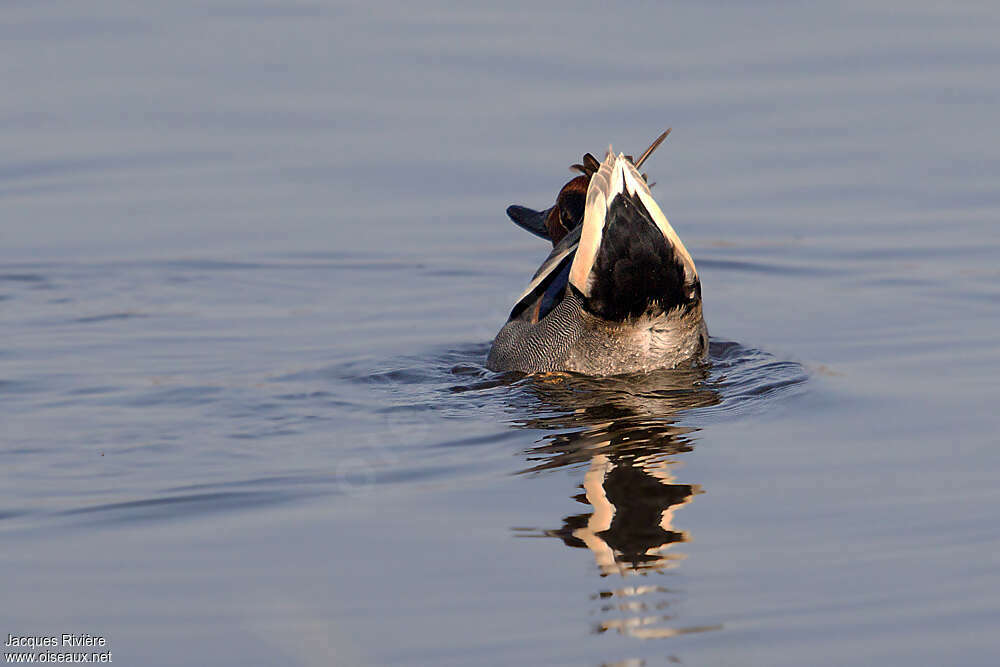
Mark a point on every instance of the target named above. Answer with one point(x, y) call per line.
point(252, 256)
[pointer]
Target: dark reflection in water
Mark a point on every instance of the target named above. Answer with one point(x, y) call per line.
point(625, 432)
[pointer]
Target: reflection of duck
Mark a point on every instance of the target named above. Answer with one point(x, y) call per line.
point(625, 432)
point(618, 294)
point(630, 528)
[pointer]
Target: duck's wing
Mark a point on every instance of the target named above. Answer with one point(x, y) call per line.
point(548, 285)
point(530, 219)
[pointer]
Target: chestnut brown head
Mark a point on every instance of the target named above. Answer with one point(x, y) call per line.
point(567, 214)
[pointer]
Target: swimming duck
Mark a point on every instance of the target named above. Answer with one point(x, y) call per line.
point(619, 293)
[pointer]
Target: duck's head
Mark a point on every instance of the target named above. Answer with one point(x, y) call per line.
point(555, 222)
point(558, 220)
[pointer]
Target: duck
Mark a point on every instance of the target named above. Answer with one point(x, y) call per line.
point(618, 294)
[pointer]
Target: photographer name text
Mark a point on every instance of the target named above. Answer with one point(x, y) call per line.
point(41, 641)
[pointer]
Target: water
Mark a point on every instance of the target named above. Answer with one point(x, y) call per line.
point(252, 256)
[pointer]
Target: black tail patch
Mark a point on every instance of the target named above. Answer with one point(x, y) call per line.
point(635, 270)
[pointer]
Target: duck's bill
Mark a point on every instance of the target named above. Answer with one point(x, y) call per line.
point(530, 219)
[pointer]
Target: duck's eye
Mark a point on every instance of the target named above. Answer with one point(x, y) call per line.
point(567, 221)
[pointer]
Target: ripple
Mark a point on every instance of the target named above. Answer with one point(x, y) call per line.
point(22, 278)
point(193, 395)
point(172, 507)
point(768, 268)
point(94, 390)
point(109, 317)
point(635, 415)
point(739, 373)
point(748, 377)
point(434, 368)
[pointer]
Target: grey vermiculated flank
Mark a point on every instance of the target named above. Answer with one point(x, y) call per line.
point(535, 348)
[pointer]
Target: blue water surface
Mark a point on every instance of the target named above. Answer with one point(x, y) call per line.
point(252, 256)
